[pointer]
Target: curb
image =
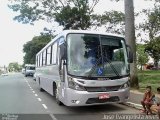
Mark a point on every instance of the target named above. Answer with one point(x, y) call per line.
point(134, 105)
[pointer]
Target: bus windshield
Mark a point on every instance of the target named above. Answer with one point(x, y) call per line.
point(95, 55)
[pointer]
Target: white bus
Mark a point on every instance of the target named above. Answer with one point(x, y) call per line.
point(82, 68)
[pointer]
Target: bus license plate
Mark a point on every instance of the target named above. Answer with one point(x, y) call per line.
point(104, 96)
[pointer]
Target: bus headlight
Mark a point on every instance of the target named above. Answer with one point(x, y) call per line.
point(73, 85)
point(125, 85)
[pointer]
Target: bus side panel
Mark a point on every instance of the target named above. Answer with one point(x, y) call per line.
point(48, 75)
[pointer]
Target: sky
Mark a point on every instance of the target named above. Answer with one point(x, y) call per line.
point(14, 35)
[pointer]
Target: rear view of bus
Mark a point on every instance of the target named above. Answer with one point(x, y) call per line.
point(93, 69)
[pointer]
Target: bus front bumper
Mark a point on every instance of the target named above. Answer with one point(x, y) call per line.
point(84, 98)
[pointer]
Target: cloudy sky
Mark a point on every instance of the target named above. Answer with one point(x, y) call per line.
point(13, 34)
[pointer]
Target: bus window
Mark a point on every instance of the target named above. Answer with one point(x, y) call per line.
point(48, 55)
point(44, 57)
point(40, 60)
point(54, 53)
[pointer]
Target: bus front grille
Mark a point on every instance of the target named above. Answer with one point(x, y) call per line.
point(97, 100)
point(102, 89)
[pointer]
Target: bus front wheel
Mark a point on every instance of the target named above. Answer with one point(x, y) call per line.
point(41, 90)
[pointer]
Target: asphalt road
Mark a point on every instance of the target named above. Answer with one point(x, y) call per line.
point(20, 99)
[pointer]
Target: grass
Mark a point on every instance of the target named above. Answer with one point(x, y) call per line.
point(149, 77)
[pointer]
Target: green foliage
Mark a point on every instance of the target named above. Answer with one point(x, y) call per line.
point(14, 66)
point(152, 24)
point(113, 21)
point(152, 27)
point(72, 14)
point(73, 18)
point(153, 49)
point(142, 56)
point(27, 14)
point(149, 77)
point(32, 47)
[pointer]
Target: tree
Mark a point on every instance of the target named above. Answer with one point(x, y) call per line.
point(113, 21)
point(14, 66)
point(130, 39)
point(72, 14)
point(142, 56)
point(32, 47)
point(152, 24)
point(153, 49)
point(152, 27)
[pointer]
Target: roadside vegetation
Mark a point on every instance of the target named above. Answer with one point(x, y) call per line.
point(149, 77)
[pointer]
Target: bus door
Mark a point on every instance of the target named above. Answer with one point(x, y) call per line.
point(62, 66)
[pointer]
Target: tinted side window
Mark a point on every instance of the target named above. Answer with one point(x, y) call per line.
point(44, 57)
point(48, 55)
point(54, 53)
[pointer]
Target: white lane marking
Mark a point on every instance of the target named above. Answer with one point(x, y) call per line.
point(53, 117)
point(33, 91)
point(28, 84)
point(39, 99)
point(44, 106)
point(36, 95)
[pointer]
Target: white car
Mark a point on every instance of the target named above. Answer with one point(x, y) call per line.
point(23, 71)
point(4, 74)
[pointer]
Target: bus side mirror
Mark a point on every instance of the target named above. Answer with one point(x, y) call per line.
point(130, 54)
point(63, 53)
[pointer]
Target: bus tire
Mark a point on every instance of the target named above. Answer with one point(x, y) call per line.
point(57, 97)
point(41, 90)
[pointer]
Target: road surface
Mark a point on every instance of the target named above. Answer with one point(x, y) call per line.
point(20, 99)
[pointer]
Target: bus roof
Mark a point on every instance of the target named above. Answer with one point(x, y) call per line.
point(65, 32)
